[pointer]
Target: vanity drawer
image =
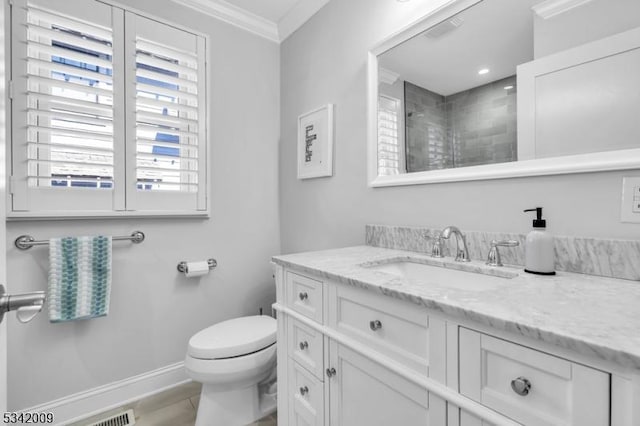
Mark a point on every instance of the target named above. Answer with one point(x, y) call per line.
point(306, 346)
point(393, 327)
point(306, 397)
point(304, 295)
point(498, 373)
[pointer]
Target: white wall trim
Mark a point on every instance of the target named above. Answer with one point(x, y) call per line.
point(551, 8)
point(94, 401)
point(298, 15)
point(236, 16)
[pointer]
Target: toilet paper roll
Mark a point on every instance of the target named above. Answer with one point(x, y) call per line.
point(197, 269)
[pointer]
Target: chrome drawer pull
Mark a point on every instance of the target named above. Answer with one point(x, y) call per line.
point(303, 296)
point(521, 386)
point(304, 390)
point(331, 372)
point(304, 345)
point(375, 325)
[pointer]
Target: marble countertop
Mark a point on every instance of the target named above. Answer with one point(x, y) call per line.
point(594, 316)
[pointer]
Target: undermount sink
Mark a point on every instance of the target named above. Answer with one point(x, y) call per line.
point(446, 274)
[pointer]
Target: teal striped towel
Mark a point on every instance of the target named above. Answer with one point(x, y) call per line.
point(79, 278)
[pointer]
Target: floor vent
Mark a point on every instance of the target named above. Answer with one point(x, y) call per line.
point(126, 418)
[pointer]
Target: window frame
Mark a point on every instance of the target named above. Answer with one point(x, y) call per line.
point(125, 181)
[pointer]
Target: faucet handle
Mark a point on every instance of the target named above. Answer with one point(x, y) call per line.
point(493, 259)
point(436, 249)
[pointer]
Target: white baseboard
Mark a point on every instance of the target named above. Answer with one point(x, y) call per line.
point(94, 401)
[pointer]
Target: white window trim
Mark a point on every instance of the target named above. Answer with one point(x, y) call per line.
point(119, 155)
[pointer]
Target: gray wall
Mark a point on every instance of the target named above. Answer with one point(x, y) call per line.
point(320, 66)
point(154, 309)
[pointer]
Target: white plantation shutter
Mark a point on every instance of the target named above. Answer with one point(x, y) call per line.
point(63, 107)
point(390, 152)
point(108, 112)
point(168, 158)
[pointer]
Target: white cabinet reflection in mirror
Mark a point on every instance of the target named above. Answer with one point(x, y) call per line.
point(470, 93)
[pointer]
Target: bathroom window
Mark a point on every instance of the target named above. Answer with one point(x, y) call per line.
point(390, 150)
point(108, 112)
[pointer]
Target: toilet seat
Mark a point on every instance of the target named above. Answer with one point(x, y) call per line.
point(233, 338)
point(234, 372)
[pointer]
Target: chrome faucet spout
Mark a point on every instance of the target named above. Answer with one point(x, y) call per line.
point(462, 254)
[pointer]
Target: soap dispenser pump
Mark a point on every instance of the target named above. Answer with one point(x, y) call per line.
point(539, 254)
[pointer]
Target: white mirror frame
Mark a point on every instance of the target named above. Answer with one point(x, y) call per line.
point(583, 163)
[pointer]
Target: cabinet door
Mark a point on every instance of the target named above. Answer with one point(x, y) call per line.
point(363, 392)
point(529, 386)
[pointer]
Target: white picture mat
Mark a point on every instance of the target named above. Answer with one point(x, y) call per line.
point(315, 143)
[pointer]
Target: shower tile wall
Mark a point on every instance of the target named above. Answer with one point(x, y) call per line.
point(476, 126)
point(425, 121)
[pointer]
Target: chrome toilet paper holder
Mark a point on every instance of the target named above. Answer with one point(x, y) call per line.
point(182, 266)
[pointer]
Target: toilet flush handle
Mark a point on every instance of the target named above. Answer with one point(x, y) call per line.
point(303, 295)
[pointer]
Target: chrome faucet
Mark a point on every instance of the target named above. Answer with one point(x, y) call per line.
point(493, 258)
point(462, 254)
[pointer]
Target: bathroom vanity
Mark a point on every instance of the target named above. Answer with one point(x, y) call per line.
point(373, 335)
point(377, 336)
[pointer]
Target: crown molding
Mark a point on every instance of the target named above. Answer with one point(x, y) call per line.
point(236, 16)
point(300, 13)
point(551, 8)
point(387, 76)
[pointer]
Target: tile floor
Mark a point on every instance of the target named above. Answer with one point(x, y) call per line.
point(174, 407)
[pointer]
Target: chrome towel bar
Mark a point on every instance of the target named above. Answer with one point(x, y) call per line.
point(25, 242)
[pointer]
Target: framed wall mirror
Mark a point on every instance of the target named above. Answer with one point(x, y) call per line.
point(488, 89)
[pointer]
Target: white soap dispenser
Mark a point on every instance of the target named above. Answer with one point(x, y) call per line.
point(539, 253)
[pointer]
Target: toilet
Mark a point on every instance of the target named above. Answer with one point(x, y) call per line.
point(235, 362)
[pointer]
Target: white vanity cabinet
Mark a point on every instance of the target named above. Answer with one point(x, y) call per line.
point(378, 332)
point(349, 356)
point(341, 354)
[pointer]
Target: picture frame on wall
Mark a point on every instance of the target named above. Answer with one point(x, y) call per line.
point(315, 143)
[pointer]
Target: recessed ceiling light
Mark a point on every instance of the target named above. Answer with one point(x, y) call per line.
point(483, 71)
point(508, 87)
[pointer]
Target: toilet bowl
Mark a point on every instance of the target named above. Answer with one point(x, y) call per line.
point(235, 362)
